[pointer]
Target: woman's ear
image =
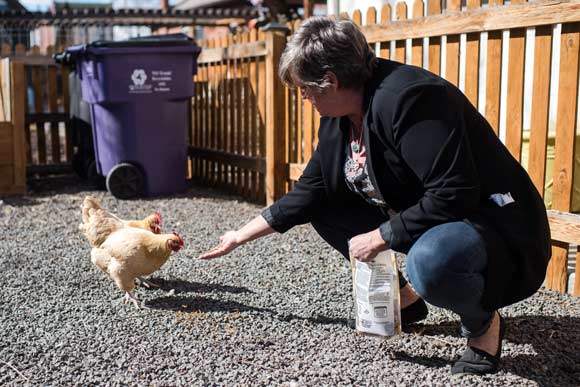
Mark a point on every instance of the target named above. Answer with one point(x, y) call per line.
point(331, 78)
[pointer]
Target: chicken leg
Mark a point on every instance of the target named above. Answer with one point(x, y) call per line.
point(148, 284)
point(130, 297)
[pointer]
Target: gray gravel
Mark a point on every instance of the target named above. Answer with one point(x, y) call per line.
point(273, 313)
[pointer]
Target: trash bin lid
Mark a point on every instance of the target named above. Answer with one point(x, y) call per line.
point(168, 40)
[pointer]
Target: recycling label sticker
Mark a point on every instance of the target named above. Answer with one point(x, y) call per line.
point(143, 83)
point(160, 79)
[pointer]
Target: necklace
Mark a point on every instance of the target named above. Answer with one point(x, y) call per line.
point(356, 145)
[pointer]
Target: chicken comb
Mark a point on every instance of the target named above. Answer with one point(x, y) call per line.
point(159, 218)
point(181, 242)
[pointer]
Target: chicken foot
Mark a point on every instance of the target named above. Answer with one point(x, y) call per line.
point(148, 284)
point(130, 297)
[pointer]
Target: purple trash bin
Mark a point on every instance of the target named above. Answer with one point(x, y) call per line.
point(139, 91)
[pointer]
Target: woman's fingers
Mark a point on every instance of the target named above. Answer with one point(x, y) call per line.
point(214, 252)
point(227, 244)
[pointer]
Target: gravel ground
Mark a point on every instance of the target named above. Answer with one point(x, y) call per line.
point(273, 313)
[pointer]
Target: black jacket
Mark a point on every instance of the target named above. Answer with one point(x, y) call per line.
point(434, 159)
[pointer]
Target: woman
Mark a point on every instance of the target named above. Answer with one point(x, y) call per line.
point(405, 162)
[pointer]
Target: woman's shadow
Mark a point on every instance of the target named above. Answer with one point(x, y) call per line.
point(552, 358)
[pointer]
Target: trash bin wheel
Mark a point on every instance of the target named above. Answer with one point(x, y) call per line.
point(125, 181)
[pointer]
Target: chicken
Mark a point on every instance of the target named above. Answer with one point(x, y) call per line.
point(98, 223)
point(129, 253)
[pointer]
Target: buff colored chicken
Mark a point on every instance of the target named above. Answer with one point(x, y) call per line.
point(99, 223)
point(129, 253)
point(133, 248)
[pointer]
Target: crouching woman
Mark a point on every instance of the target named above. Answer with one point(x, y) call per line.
point(405, 162)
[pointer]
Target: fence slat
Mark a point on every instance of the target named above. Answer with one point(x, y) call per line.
point(209, 113)
point(246, 112)
point(515, 94)
point(18, 92)
point(309, 131)
point(239, 123)
point(565, 139)
point(213, 129)
point(37, 82)
point(357, 17)
point(452, 47)
point(253, 116)
point(223, 79)
point(262, 114)
point(400, 45)
point(5, 108)
point(65, 102)
point(493, 76)
point(472, 60)
point(20, 49)
point(540, 103)
point(5, 49)
point(417, 44)
point(385, 47)
point(371, 16)
point(434, 8)
point(275, 163)
point(52, 94)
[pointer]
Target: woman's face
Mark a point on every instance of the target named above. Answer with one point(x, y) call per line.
point(331, 101)
point(322, 100)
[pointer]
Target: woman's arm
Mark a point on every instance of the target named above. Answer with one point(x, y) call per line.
point(296, 207)
point(256, 228)
point(430, 133)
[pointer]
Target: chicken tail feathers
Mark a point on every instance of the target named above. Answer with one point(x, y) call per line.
point(88, 204)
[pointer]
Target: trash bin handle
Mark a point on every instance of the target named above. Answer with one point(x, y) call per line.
point(91, 62)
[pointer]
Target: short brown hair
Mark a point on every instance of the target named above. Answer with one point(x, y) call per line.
point(323, 44)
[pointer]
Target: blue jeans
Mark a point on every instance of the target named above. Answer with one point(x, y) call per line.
point(445, 265)
point(446, 268)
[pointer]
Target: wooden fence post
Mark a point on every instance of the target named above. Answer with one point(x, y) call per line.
point(276, 171)
point(18, 110)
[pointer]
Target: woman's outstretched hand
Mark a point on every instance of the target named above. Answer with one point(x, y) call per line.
point(228, 242)
point(256, 228)
point(365, 247)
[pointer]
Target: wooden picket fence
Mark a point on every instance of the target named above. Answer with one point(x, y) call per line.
point(232, 137)
point(7, 50)
point(229, 114)
point(238, 105)
point(36, 104)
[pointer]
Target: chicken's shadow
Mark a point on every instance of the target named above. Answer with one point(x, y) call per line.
point(200, 304)
point(182, 286)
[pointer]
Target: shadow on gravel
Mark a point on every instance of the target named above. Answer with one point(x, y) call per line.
point(425, 361)
point(200, 304)
point(554, 339)
point(182, 286)
point(41, 186)
point(61, 184)
point(317, 320)
point(20, 201)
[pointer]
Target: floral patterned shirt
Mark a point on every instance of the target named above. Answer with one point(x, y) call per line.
point(357, 175)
